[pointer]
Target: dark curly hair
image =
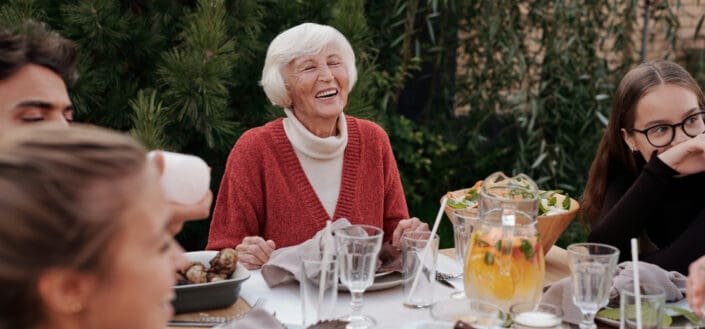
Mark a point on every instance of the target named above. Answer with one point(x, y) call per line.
point(35, 43)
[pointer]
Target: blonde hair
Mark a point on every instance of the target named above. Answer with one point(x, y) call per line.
point(301, 40)
point(63, 191)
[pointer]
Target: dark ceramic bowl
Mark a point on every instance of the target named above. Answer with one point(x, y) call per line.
point(211, 295)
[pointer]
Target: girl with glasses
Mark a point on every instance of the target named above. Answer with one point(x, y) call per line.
point(648, 175)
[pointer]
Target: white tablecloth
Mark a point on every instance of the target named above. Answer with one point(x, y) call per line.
point(384, 305)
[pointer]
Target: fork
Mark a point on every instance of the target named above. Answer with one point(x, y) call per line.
point(441, 276)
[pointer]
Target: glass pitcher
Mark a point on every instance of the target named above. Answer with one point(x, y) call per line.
point(504, 263)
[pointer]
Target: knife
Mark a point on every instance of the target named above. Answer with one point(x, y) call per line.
point(183, 323)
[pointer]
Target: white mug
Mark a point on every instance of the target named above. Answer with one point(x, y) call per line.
point(185, 178)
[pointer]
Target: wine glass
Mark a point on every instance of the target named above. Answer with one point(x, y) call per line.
point(358, 247)
point(463, 222)
point(592, 268)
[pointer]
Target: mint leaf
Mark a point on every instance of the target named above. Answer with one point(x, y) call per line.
point(566, 202)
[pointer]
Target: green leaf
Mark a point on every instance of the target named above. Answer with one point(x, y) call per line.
point(542, 209)
point(686, 313)
point(566, 202)
point(489, 258)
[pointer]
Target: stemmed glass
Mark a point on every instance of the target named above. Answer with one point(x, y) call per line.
point(358, 247)
point(463, 222)
point(592, 267)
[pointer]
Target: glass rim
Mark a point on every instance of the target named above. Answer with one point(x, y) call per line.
point(404, 236)
point(629, 290)
point(558, 309)
point(572, 246)
point(341, 231)
point(464, 213)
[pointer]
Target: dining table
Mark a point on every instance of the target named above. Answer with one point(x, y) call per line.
point(385, 304)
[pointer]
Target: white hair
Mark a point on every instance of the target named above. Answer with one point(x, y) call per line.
point(301, 40)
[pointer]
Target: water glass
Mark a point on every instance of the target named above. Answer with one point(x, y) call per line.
point(592, 268)
point(318, 288)
point(463, 222)
point(418, 293)
point(536, 316)
point(652, 299)
point(358, 248)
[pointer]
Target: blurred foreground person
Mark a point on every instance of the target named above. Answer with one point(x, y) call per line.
point(84, 239)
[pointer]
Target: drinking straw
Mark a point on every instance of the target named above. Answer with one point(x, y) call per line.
point(428, 245)
point(324, 265)
point(637, 292)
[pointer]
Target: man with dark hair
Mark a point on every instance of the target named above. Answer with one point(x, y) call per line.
point(36, 65)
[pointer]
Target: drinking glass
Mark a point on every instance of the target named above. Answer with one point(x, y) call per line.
point(592, 268)
point(463, 222)
point(358, 247)
point(536, 316)
point(418, 257)
point(652, 299)
point(318, 287)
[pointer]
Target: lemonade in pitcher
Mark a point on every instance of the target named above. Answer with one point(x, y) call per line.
point(501, 272)
point(504, 264)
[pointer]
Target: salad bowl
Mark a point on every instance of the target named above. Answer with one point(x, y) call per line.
point(556, 211)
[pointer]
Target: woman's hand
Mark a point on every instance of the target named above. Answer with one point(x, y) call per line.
point(687, 157)
point(695, 286)
point(407, 225)
point(182, 213)
point(253, 252)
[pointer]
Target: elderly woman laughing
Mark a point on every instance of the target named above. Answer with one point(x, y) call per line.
point(285, 179)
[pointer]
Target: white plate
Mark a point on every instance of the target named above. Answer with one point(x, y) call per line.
point(382, 282)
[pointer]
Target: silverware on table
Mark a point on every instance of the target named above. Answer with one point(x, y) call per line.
point(445, 278)
point(205, 324)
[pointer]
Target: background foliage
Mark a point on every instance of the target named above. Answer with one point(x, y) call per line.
point(463, 87)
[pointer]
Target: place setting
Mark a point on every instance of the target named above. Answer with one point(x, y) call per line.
point(347, 276)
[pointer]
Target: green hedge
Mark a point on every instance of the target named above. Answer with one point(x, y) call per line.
point(537, 79)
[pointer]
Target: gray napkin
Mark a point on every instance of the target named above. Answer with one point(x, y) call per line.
point(256, 318)
point(673, 283)
point(284, 264)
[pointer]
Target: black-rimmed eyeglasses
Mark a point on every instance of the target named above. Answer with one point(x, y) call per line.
point(663, 134)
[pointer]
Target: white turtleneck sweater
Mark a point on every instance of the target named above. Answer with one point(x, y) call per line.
point(320, 158)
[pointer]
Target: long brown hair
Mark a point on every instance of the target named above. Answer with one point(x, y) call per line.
point(64, 191)
point(614, 158)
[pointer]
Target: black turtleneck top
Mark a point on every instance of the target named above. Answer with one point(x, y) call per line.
point(669, 210)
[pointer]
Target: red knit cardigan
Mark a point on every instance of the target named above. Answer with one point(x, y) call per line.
point(265, 191)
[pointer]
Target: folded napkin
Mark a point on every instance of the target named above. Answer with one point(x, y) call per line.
point(673, 283)
point(284, 264)
point(254, 319)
